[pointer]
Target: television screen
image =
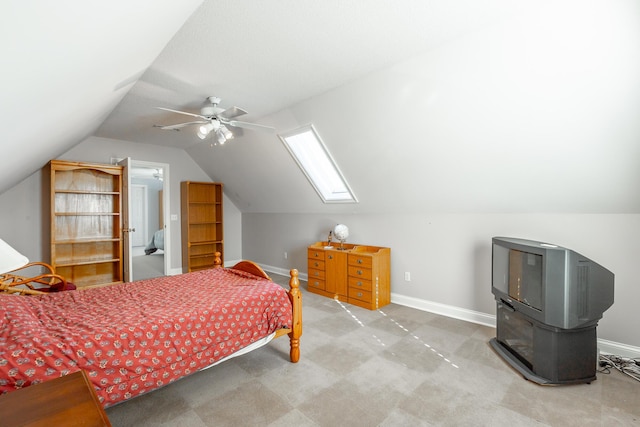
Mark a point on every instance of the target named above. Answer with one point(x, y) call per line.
point(525, 278)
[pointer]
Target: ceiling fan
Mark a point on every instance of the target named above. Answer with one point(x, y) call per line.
point(214, 120)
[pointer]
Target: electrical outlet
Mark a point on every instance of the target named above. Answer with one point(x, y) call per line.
point(174, 217)
point(407, 276)
point(286, 255)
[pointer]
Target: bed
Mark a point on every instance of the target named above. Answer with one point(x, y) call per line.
point(156, 242)
point(132, 338)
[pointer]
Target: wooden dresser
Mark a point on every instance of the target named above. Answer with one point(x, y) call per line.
point(359, 274)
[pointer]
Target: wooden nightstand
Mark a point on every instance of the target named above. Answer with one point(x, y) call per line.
point(66, 401)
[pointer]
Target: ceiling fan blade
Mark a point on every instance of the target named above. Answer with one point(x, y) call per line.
point(181, 125)
point(252, 126)
point(232, 112)
point(182, 112)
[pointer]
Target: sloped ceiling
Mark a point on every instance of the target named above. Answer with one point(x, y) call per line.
point(426, 106)
point(66, 65)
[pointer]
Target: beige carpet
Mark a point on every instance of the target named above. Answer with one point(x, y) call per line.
point(393, 367)
point(148, 266)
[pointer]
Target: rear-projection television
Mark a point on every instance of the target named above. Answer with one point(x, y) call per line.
point(549, 300)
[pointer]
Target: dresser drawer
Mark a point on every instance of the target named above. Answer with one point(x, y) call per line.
point(360, 272)
point(316, 283)
point(358, 283)
point(315, 264)
point(315, 254)
point(360, 294)
point(359, 260)
point(316, 274)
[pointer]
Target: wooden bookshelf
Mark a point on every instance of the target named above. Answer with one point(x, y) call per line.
point(86, 223)
point(202, 226)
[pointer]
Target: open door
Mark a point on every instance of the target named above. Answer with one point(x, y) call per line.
point(127, 255)
point(136, 172)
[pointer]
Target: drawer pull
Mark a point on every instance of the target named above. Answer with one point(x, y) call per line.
point(330, 256)
point(359, 283)
point(316, 264)
point(359, 261)
point(316, 273)
point(360, 294)
point(359, 272)
point(316, 283)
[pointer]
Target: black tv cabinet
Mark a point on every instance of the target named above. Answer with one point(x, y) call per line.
point(545, 354)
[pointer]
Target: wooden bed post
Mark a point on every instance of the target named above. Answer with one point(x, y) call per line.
point(295, 296)
point(217, 262)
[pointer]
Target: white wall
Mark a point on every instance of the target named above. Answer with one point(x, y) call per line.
point(22, 217)
point(25, 212)
point(527, 128)
point(535, 115)
point(449, 255)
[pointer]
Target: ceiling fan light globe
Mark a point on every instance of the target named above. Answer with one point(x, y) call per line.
point(206, 128)
point(221, 138)
point(226, 132)
point(202, 135)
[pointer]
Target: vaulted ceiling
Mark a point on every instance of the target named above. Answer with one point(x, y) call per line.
point(455, 106)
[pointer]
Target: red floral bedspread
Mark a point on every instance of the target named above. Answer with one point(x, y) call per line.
point(132, 338)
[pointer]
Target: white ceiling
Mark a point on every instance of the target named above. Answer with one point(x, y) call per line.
point(424, 104)
point(65, 67)
point(264, 56)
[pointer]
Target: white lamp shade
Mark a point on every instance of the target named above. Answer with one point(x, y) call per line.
point(10, 259)
point(226, 132)
point(206, 128)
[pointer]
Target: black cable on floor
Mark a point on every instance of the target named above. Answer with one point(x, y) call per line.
point(630, 367)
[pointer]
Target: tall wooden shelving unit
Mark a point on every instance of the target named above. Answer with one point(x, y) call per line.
point(86, 223)
point(201, 218)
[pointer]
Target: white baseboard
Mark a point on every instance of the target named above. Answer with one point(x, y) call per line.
point(618, 349)
point(282, 271)
point(174, 271)
point(604, 346)
point(445, 310)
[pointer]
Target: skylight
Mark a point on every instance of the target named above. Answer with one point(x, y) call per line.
point(316, 163)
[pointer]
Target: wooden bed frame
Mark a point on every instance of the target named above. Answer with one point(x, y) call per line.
point(294, 296)
point(13, 283)
point(116, 385)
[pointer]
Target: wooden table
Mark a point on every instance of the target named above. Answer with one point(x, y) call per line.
point(70, 400)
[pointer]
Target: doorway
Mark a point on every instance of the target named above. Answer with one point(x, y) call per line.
point(139, 202)
point(147, 242)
